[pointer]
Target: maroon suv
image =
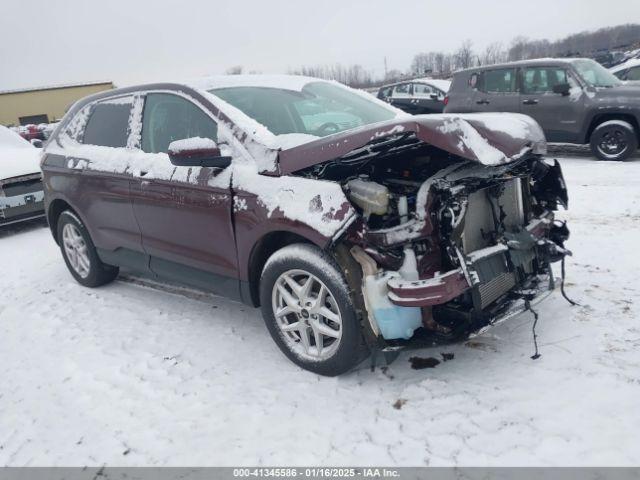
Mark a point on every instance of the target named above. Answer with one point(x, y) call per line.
point(356, 227)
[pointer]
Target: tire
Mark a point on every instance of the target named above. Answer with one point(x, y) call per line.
point(333, 317)
point(86, 267)
point(614, 140)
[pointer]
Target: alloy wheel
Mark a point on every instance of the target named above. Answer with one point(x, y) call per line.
point(307, 315)
point(76, 250)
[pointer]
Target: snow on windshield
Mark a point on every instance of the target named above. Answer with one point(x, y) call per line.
point(319, 109)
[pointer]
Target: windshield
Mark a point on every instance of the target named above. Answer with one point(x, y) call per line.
point(320, 109)
point(595, 74)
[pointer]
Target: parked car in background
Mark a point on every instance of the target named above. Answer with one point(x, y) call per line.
point(351, 240)
point(31, 132)
point(21, 195)
point(628, 71)
point(47, 129)
point(573, 100)
point(421, 95)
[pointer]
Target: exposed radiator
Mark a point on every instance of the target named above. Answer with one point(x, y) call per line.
point(493, 289)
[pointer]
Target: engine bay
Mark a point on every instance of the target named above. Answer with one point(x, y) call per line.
point(443, 241)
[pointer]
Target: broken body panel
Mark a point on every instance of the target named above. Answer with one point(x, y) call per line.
point(480, 235)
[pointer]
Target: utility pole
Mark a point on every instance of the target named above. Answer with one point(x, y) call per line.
point(385, 68)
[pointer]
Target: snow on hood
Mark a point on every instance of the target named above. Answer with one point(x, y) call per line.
point(487, 138)
point(17, 156)
point(15, 162)
point(10, 139)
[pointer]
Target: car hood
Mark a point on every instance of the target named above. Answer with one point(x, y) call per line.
point(628, 91)
point(487, 138)
point(15, 162)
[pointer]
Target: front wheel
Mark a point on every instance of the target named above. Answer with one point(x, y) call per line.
point(309, 312)
point(614, 140)
point(80, 254)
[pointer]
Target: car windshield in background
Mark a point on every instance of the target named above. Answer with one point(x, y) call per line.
point(320, 109)
point(595, 74)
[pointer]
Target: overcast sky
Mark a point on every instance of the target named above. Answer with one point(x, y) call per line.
point(129, 41)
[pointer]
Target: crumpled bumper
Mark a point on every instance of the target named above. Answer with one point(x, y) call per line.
point(485, 272)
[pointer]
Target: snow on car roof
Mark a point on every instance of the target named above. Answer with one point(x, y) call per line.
point(443, 85)
point(285, 82)
point(633, 62)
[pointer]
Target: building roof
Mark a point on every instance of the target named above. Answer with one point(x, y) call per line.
point(55, 87)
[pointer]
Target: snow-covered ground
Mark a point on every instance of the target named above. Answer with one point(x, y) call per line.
point(133, 375)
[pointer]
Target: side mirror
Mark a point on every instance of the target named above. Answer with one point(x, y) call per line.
point(562, 89)
point(36, 142)
point(197, 152)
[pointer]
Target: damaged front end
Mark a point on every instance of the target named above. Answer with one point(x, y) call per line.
point(449, 246)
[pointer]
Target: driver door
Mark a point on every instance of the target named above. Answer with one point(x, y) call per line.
point(560, 116)
point(184, 213)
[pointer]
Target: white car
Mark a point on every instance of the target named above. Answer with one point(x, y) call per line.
point(628, 71)
point(21, 195)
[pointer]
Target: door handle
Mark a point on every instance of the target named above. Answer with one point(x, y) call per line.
point(484, 101)
point(530, 101)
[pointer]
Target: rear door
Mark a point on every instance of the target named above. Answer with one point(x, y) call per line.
point(427, 99)
point(184, 213)
point(402, 98)
point(497, 91)
point(99, 154)
point(559, 115)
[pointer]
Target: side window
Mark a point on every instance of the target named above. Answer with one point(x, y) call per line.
point(633, 74)
point(108, 123)
point(499, 81)
point(543, 79)
point(422, 90)
point(169, 117)
point(401, 90)
point(385, 92)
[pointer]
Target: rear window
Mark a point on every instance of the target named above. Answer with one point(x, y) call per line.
point(108, 123)
point(499, 81)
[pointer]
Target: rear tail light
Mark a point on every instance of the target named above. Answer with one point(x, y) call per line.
point(445, 101)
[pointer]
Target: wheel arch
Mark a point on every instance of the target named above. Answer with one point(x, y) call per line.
point(266, 246)
point(599, 118)
point(54, 210)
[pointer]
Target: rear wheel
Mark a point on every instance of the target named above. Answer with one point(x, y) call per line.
point(80, 254)
point(614, 140)
point(309, 312)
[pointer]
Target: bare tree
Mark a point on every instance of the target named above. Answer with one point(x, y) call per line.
point(464, 55)
point(352, 75)
point(493, 53)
